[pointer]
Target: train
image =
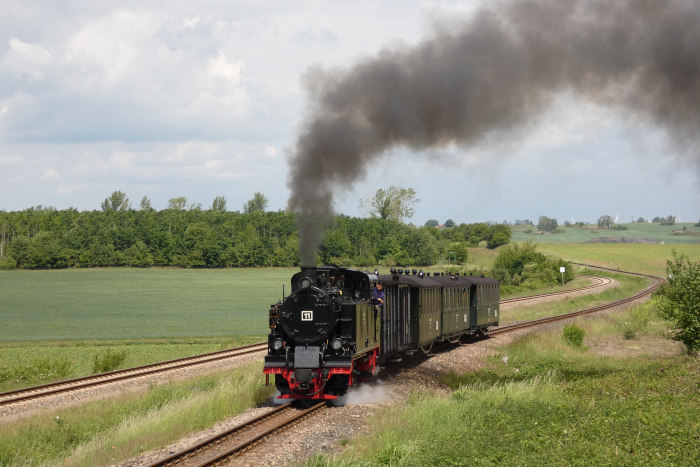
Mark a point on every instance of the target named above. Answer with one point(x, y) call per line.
point(330, 331)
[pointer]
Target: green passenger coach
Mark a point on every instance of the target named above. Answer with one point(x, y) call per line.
point(421, 309)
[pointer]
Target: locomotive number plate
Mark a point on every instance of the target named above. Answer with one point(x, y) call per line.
point(307, 315)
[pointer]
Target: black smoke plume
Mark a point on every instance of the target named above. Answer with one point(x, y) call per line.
point(496, 72)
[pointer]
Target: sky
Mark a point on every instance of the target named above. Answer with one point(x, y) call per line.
point(165, 99)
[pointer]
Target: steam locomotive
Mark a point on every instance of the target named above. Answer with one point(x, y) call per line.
point(329, 332)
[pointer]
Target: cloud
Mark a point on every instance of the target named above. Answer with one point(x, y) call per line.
point(6, 161)
point(122, 75)
point(30, 60)
point(50, 174)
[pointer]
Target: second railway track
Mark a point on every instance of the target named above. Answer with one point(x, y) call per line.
point(21, 395)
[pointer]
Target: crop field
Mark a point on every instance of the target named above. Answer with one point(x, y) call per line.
point(643, 258)
point(655, 232)
point(124, 303)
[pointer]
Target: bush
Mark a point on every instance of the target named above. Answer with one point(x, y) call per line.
point(573, 336)
point(8, 263)
point(36, 371)
point(110, 361)
point(680, 300)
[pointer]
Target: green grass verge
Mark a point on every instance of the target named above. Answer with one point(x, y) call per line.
point(628, 286)
point(24, 364)
point(105, 432)
point(549, 405)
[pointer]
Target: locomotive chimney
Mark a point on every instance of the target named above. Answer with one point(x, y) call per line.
point(310, 272)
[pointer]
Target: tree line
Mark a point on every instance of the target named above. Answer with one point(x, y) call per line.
point(47, 238)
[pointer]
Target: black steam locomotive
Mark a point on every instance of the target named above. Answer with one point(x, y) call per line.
point(329, 331)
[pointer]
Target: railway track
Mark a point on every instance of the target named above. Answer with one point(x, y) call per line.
point(36, 392)
point(231, 442)
point(656, 283)
point(93, 381)
point(599, 282)
point(213, 450)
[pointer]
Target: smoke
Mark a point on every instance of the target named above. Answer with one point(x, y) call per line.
point(365, 393)
point(491, 74)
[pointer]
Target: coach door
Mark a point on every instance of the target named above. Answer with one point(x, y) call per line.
point(396, 334)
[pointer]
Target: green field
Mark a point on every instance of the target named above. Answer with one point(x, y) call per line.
point(644, 258)
point(124, 303)
point(656, 232)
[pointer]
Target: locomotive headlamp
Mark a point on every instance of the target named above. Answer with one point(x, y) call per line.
point(277, 344)
point(336, 344)
point(305, 283)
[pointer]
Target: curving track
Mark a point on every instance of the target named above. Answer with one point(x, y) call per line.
point(656, 283)
point(599, 282)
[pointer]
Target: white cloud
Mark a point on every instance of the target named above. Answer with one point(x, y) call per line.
point(189, 23)
point(6, 161)
point(50, 174)
point(30, 60)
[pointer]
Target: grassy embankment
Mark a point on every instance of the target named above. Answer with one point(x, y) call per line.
point(624, 398)
point(104, 432)
point(628, 286)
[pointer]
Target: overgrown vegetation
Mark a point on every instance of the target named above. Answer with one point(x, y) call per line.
point(519, 266)
point(35, 372)
point(24, 364)
point(546, 404)
point(109, 361)
point(680, 300)
point(101, 433)
point(573, 336)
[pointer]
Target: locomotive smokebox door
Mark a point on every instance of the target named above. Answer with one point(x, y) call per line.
point(307, 357)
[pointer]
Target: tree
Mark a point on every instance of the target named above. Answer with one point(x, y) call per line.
point(547, 224)
point(394, 203)
point(641, 220)
point(258, 203)
point(219, 204)
point(117, 201)
point(605, 222)
point(146, 204)
point(432, 223)
point(177, 204)
point(449, 223)
point(458, 251)
point(680, 300)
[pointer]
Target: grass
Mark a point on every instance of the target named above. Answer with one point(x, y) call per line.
point(125, 303)
point(629, 285)
point(550, 404)
point(25, 364)
point(643, 258)
point(101, 433)
point(571, 234)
